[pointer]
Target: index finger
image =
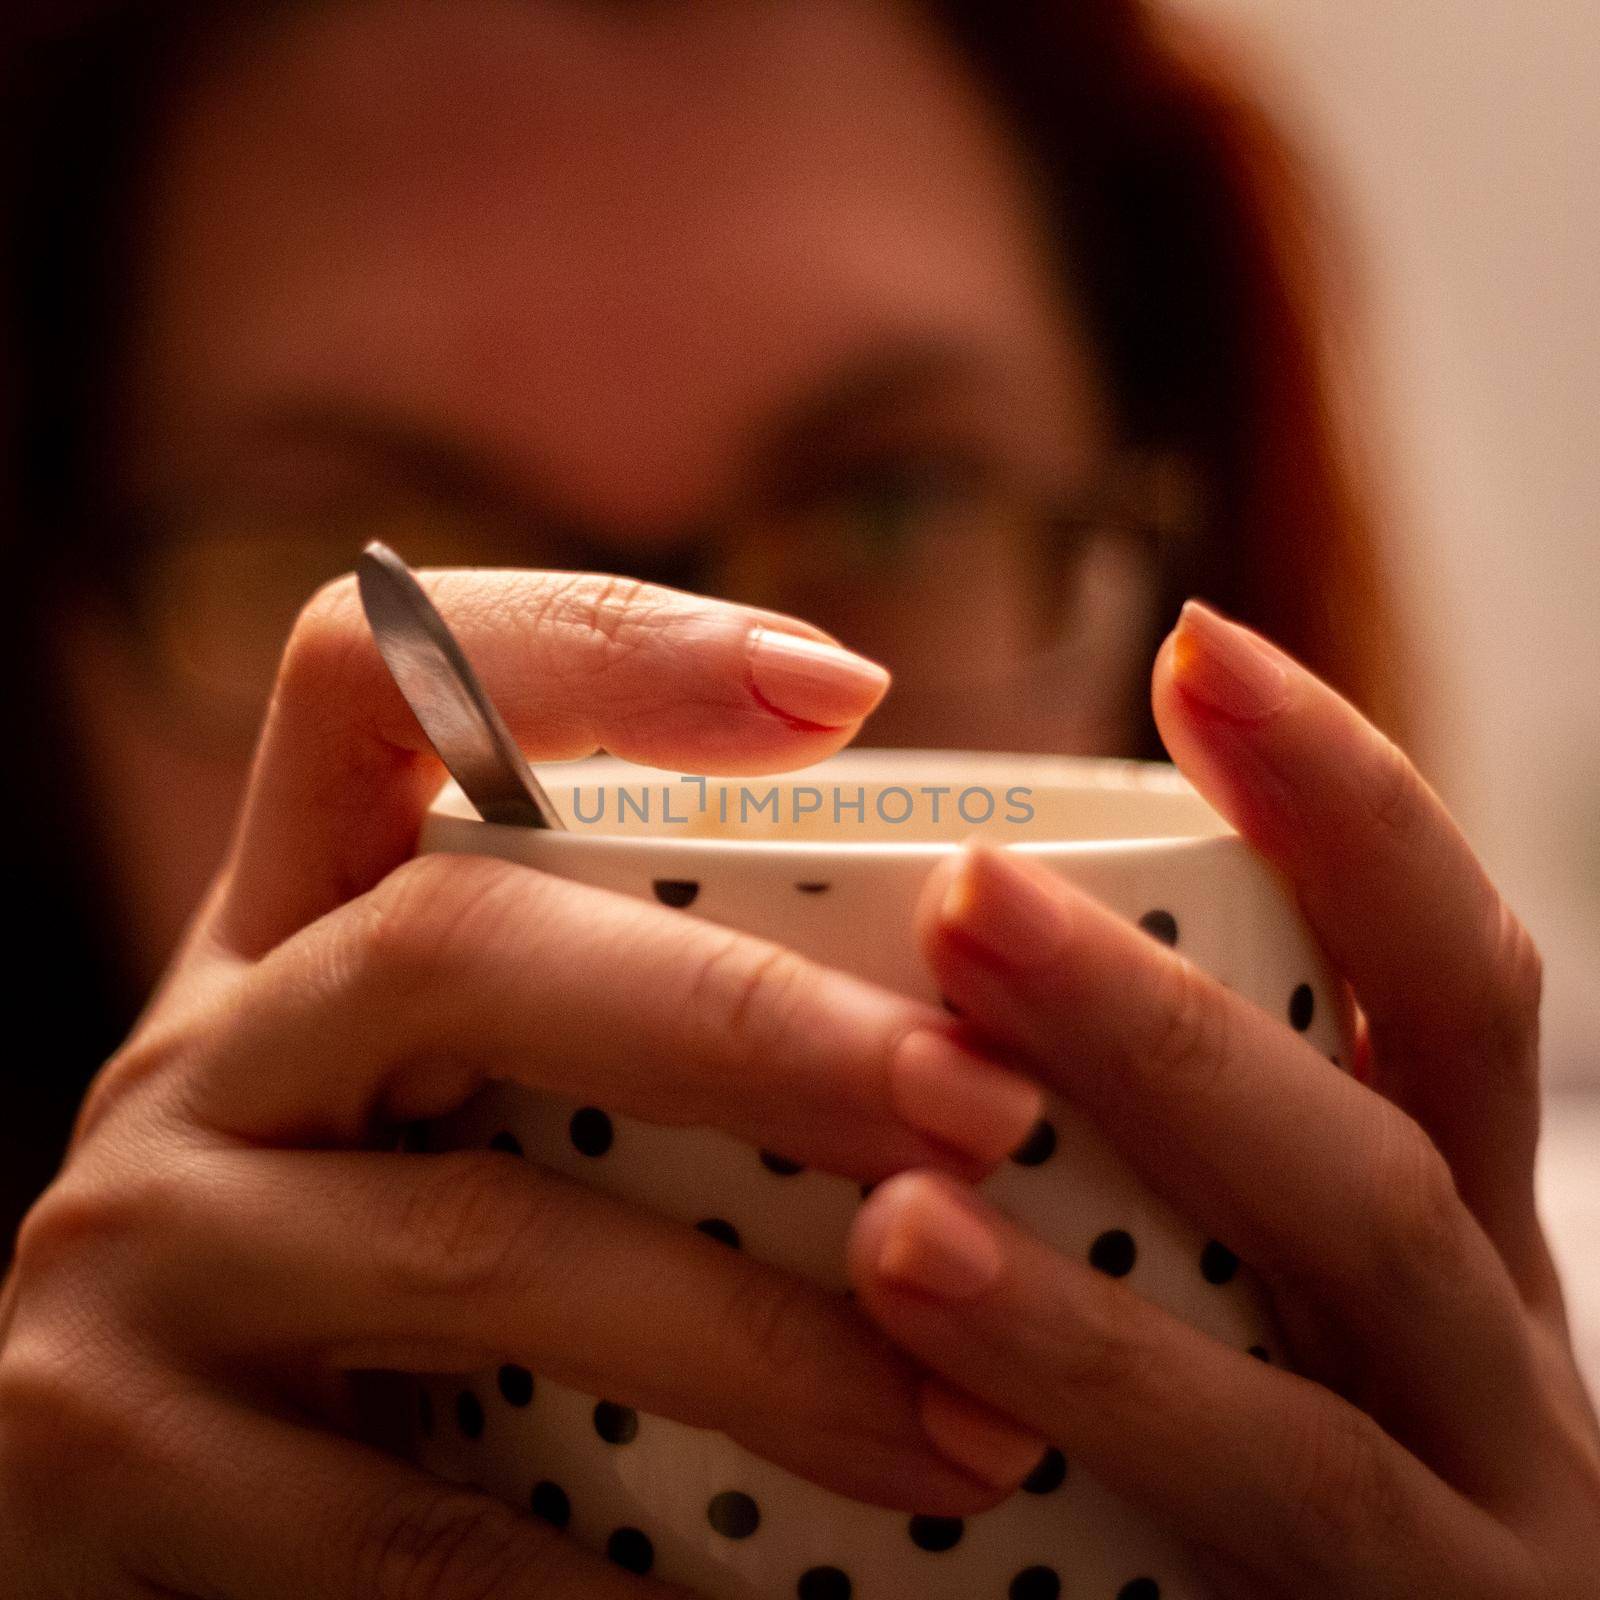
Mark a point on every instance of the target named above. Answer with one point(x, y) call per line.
point(575, 662)
point(1446, 975)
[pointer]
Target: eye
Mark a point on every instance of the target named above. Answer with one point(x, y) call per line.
point(878, 509)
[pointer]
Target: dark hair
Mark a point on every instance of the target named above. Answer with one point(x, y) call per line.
point(1207, 264)
point(1200, 257)
point(78, 88)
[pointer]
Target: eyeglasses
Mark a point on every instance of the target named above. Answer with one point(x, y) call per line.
point(975, 598)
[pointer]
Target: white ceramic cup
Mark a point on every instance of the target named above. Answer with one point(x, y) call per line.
point(829, 860)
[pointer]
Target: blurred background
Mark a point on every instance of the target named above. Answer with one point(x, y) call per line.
point(1462, 140)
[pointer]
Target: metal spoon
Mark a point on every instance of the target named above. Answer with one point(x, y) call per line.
point(432, 671)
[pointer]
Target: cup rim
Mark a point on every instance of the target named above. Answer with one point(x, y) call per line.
point(1097, 774)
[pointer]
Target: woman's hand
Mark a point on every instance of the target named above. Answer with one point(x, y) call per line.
point(1442, 1444)
point(233, 1233)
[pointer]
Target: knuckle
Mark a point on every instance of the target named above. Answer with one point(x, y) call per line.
point(333, 604)
point(83, 1212)
point(35, 1419)
point(607, 617)
point(158, 1046)
point(434, 913)
point(438, 1542)
point(1418, 1234)
point(744, 990)
point(109, 1249)
point(56, 1225)
point(1338, 1487)
point(1186, 1042)
point(771, 1328)
point(614, 610)
point(1518, 994)
point(1097, 1355)
point(471, 1227)
point(320, 643)
point(59, 1430)
point(1392, 792)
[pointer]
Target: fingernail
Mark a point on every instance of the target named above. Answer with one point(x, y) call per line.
point(989, 1446)
point(1229, 670)
point(934, 1243)
point(997, 905)
point(956, 1096)
point(807, 681)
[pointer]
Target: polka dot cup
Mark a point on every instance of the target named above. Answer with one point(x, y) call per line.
point(829, 861)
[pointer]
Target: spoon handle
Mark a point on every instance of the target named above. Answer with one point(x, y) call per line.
point(432, 671)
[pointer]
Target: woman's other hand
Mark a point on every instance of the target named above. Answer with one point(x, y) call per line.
point(233, 1233)
point(1441, 1442)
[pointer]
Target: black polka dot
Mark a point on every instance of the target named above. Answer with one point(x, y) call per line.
point(733, 1515)
point(823, 1583)
point(950, 1005)
point(1049, 1475)
point(1035, 1583)
point(516, 1384)
point(549, 1500)
point(1160, 925)
point(676, 891)
point(1038, 1147)
point(1140, 1589)
point(1260, 1352)
point(508, 1142)
point(425, 1413)
point(469, 1414)
point(723, 1232)
point(615, 1424)
point(811, 888)
point(1113, 1253)
point(937, 1533)
point(1302, 1007)
point(867, 1188)
point(781, 1165)
point(631, 1549)
point(1218, 1263)
point(591, 1132)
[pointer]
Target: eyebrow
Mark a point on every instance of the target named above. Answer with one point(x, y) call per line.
point(452, 467)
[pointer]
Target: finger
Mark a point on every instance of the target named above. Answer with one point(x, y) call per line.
point(224, 1500)
point(1447, 977)
point(574, 661)
point(446, 1264)
point(458, 969)
point(1331, 1192)
point(1277, 1474)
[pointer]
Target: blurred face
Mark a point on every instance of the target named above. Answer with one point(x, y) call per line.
point(754, 299)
